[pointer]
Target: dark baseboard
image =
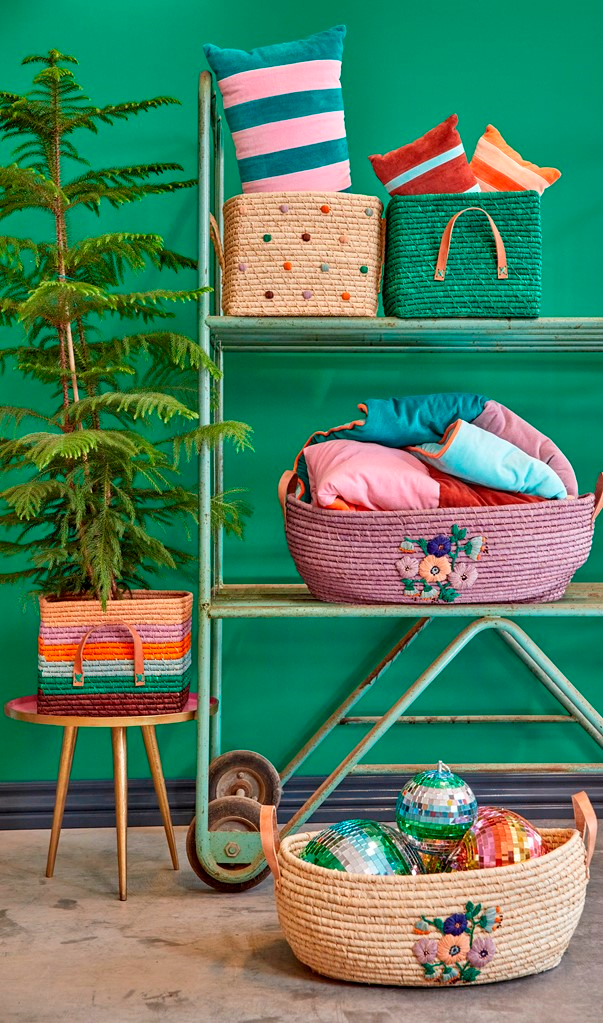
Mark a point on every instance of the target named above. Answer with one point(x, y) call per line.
point(90, 803)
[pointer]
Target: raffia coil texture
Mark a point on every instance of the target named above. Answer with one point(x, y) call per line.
point(162, 619)
point(415, 224)
point(318, 276)
point(360, 928)
point(532, 550)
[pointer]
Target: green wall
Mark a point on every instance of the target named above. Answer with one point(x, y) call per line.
point(532, 70)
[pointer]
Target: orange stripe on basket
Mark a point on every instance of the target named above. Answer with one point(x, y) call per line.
point(113, 651)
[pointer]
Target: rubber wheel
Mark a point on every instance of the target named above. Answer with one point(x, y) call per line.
point(244, 773)
point(232, 813)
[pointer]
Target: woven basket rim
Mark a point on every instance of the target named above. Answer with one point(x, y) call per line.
point(330, 513)
point(134, 595)
point(338, 877)
point(270, 196)
point(472, 198)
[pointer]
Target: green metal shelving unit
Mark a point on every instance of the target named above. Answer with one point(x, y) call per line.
point(232, 859)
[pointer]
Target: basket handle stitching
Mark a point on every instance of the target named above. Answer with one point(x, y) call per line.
point(78, 662)
point(501, 256)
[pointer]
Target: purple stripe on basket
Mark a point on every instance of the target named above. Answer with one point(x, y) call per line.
point(109, 634)
point(533, 550)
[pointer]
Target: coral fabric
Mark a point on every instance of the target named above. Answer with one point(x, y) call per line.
point(432, 164)
point(498, 168)
point(497, 419)
point(477, 456)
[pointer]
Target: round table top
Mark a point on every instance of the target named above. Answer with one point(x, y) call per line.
point(25, 708)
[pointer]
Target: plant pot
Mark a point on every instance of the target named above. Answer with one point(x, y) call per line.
point(132, 658)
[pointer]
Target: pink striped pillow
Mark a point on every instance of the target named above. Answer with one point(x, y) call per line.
point(433, 164)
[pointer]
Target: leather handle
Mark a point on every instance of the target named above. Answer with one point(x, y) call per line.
point(270, 840)
point(598, 497)
point(214, 234)
point(501, 255)
point(586, 823)
point(78, 665)
point(286, 485)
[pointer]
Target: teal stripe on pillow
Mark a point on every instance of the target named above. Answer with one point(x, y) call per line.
point(290, 161)
point(281, 108)
point(297, 83)
point(327, 45)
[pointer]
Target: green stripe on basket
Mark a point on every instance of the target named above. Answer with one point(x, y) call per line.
point(114, 684)
point(282, 108)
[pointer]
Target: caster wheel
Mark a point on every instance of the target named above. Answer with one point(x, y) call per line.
point(244, 773)
point(232, 813)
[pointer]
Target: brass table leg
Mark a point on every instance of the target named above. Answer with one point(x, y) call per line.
point(118, 739)
point(67, 750)
point(150, 742)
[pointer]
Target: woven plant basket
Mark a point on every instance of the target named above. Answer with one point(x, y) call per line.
point(133, 658)
point(301, 254)
point(362, 928)
point(517, 553)
point(485, 263)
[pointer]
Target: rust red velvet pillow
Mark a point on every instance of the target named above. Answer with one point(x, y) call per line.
point(433, 164)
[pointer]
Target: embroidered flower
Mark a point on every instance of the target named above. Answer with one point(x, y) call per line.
point(491, 919)
point(450, 973)
point(439, 545)
point(407, 566)
point(428, 592)
point(481, 952)
point(425, 950)
point(421, 927)
point(475, 547)
point(407, 545)
point(434, 570)
point(453, 949)
point(455, 924)
point(463, 575)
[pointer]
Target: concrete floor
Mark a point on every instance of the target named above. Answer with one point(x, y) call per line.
point(177, 952)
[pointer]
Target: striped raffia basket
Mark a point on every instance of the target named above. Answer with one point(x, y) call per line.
point(301, 254)
point(133, 658)
point(363, 928)
point(455, 255)
point(517, 553)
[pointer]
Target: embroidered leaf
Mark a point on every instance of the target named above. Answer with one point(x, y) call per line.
point(409, 586)
point(470, 973)
point(483, 922)
point(448, 593)
point(477, 909)
point(462, 534)
point(429, 970)
point(469, 907)
point(439, 924)
point(423, 545)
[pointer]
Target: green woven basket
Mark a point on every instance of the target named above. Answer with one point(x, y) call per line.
point(486, 262)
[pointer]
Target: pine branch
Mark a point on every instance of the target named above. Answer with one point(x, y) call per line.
point(136, 404)
point(211, 435)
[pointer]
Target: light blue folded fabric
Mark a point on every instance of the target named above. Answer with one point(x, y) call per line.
point(480, 457)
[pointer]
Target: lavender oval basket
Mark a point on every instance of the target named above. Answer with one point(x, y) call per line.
point(518, 553)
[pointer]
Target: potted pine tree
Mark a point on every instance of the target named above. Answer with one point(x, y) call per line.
point(92, 486)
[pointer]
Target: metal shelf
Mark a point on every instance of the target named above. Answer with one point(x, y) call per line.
point(359, 334)
point(280, 600)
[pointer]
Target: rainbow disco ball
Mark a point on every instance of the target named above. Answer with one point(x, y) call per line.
point(362, 847)
point(436, 806)
point(497, 838)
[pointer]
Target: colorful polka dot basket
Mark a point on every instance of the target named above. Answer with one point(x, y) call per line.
point(301, 254)
point(434, 930)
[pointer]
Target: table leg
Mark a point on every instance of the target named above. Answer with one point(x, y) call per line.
point(67, 750)
point(120, 777)
point(150, 742)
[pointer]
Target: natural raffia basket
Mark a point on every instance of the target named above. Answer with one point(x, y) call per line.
point(519, 553)
point(301, 254)
point(484, 263)
point(133, 658)
point(363, 928)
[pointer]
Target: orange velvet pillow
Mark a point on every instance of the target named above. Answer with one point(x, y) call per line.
point(498, 168)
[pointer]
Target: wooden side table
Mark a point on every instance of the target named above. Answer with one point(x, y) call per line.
point(26, 709)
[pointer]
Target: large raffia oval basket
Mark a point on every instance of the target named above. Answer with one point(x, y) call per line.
point(363, 928)
point(517, 553)
point(301, 254)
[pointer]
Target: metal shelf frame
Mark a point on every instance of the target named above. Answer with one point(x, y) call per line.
point(218, 601)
